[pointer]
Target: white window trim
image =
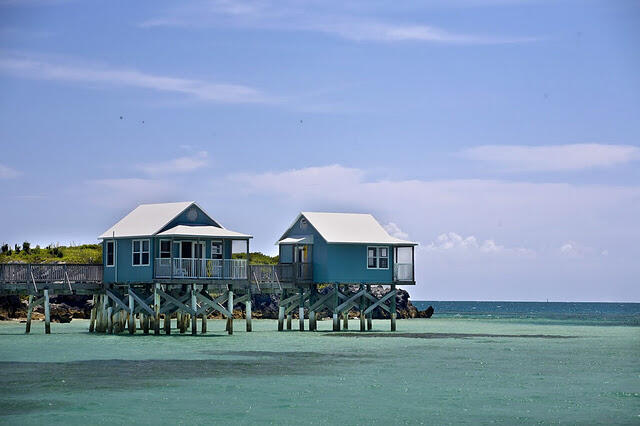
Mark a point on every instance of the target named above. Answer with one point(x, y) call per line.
point(106, 255)
point(377, 257)
point(221, 243)
point(141, 251)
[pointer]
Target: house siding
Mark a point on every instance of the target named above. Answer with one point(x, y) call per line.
point(127, 272)
point(182, 219)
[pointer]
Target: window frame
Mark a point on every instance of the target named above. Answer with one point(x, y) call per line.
point(160, 251)
point(141, 252)
point(378, 257)
point(106, 254)
point(216, 243)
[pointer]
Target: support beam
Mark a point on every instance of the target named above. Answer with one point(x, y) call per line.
point(345, 320)
point(92, 318)
point(289, 319)
point(230, 309)
point(110, 320)
point(194, 306)
point(393, 308)
point(336, 320)
point(362, 308)
point(370, 316)
point(280, 318)
point(29, 313)
point(167, 323)
point(247, 304)
point(156, 309)
point(132, 317)
point(313, 292)
point(47, 313)
point(301, 310)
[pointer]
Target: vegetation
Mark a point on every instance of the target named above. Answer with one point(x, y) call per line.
point(86, 253)
point(258, 258)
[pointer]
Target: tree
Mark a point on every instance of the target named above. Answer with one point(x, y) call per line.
point(5, 248)
point(26, 247)
point(17, 249)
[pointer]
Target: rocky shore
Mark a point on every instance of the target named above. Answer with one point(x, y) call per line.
point(65, 308)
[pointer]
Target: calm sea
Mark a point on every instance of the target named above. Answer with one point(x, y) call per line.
point(565, 312)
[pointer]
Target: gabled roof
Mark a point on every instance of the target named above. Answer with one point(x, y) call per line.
point(202, 231)
point(349, 228)
point(148, 219)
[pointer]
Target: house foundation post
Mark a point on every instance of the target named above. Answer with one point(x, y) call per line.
point(156, 309)
point(92, 318)
point(363, 307)
point(247, 312)
point(312, 313)
point(47, 313)
point(336, 320)
point(370, 316)
point(29, 313)
point(194, 308)
point(281, 312)
point(132, 315)
point(393, 308)
point(230, 309)
point(301, 310)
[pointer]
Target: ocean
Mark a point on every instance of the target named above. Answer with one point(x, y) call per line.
point(471, 363)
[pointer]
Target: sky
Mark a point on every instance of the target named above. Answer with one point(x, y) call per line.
point(502, 135)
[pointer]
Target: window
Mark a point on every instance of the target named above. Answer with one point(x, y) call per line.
point(165, 249)
point(110, 254)
point(140, 250)
point(377, 257)
point(216, 249)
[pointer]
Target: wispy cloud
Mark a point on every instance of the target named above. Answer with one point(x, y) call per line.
point(7, 172)
point(553, 158)
point(452, 242)
point(182, 164)
point(332, 19)
point(28, 67)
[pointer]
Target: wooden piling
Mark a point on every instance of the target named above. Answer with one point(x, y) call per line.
point(289, 319)
point(345, 320)
point(204, 323)
point(92, 317)
point(370, 316)
point(194, 307)
point(301, 310)
point(29, 313)
point(156, 309)
point(110, 320)
point(336, 320)
point(167, 323)
point(47, 313)
point(145, 323)
point(248, 313)
point(230, 309)
point(280, 318)
point(393, 308)
point(132, 317)
point(363, 307)
point(312, 314)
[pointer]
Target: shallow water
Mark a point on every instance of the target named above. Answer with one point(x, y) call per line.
point(442, 370)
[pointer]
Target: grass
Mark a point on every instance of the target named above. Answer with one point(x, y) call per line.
point(87, 253)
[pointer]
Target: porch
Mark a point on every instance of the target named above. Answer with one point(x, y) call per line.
point(205, 269)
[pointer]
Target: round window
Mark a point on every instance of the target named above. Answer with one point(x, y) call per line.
point(192, 214)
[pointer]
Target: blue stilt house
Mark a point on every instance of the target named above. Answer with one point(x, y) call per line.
point(171, 242)
point(345, 248)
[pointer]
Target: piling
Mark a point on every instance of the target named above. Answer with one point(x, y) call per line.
point(156, 309)
point(47, 313)
point(132, 317)
point(248, 313)
point(92, 318)
point(280, 318)
point(230, 309)
point(29, 312)
point(336, 320)
point(393, 308)
point(301, 310)
point(370, 316)
point(194, 306)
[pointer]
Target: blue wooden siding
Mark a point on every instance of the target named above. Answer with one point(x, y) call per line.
point(127, 272)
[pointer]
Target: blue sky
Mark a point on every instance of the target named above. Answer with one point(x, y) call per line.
point(502, 135)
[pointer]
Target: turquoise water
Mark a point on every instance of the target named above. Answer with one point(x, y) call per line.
point(426, 373)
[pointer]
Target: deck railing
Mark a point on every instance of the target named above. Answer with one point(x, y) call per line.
point(50, 273)
point(403, 272)
point(220, 269)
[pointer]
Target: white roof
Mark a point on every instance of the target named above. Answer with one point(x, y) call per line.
point(148, 219)
point(202, 231)
point(350, 228)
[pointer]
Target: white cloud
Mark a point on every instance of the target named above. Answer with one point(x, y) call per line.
point(572, 249)
point(183, 164)
point(325, 18)
point(395, 231)
point(128, 192)
point(452, 242)
point(553, 158)
point(7, 172)
point(203, 90)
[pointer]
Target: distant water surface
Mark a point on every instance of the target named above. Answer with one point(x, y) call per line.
point(610, 313)
point(451, 369)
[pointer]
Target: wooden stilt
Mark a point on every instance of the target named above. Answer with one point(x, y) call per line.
point(29, 313)
point(92, 317)
point(370, 316)
point(204, 323)
point(47, 313)
point(194, 306)
point(132, 316)
point(393, 308)
point(167, 323)
point(247, 311)
point(336, 320)
point(145, 323)
point(110, 320)
point(362, 315)
point(301, 310)
point(156, 310)
point(289, 319)
point(345, 320)
point(230, 309)
point(280, 318)
point(312, 313)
